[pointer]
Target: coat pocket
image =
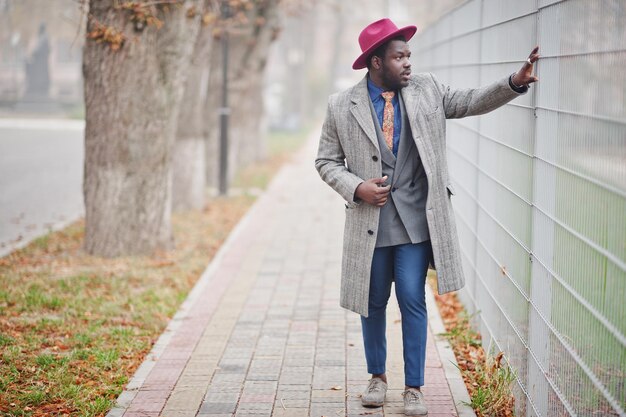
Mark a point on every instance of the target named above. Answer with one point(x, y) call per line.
point(431, 111)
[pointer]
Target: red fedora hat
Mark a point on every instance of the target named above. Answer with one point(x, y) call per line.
point(377, 33)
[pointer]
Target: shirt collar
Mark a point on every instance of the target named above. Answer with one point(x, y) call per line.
point(374, 90)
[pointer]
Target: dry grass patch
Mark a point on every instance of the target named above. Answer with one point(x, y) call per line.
point(488, 380)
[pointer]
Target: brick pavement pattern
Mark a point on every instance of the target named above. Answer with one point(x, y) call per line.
point(262, 333)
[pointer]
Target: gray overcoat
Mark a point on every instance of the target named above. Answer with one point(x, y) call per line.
point(349, 153)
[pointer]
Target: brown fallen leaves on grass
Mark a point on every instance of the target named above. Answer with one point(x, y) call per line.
point(487, 378)
point(74, 328)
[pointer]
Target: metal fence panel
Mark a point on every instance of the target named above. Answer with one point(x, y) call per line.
point(541, 200)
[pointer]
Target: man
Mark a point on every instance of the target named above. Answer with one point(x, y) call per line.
point(382, 148)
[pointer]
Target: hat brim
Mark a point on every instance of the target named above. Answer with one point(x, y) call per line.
point(407, 32)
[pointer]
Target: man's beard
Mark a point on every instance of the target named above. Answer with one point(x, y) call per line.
point(390, 82)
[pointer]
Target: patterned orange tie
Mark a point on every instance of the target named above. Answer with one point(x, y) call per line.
point(388, 118)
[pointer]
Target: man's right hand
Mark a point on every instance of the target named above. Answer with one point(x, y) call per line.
point(373, 191)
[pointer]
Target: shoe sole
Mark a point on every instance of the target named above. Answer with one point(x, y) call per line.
point(372, 404)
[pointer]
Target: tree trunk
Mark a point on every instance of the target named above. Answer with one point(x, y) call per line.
point(132, 97)
point(189, 179)
point(248, 49)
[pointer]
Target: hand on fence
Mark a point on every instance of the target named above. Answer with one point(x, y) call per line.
point(525, 75)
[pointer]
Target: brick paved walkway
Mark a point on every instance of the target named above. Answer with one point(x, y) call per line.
point(262, 332)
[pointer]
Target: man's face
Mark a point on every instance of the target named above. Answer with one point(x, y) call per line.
point(396, 66)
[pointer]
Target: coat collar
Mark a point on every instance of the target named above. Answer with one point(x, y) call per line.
point(361, 110)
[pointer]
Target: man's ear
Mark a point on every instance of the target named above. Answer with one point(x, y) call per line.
point(376, 62)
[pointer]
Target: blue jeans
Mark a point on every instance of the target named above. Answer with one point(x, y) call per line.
point(407, 266)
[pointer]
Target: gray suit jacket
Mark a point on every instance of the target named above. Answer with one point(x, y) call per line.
point(349, 153)
point(403, 217)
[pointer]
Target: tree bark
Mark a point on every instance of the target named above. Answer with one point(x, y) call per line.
point(132, 97)
point(248, 49)
point(189, 179)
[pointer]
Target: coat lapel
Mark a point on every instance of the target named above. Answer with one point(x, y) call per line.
point(412, 104)
point(404, 148)
point(361, 111)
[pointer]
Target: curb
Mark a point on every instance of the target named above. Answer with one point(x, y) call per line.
point(460, 396)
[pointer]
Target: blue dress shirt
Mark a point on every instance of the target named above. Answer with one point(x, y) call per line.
point(379, 106)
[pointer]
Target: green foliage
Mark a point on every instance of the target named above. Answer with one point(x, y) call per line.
point(45, 360)
point(99, 406)
point(493, 381)
point(6, 340)
point(35, 297)
point(461, 331)
point(106, 359)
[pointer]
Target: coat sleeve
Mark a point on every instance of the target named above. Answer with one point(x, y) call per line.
point(459, 103)
point(330, 162)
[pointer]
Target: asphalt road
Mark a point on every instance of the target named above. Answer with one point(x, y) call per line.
point(41, 176)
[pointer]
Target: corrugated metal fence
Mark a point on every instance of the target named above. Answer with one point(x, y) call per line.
point(541, 200)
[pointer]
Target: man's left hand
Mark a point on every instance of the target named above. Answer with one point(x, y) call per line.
point(525, 75)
